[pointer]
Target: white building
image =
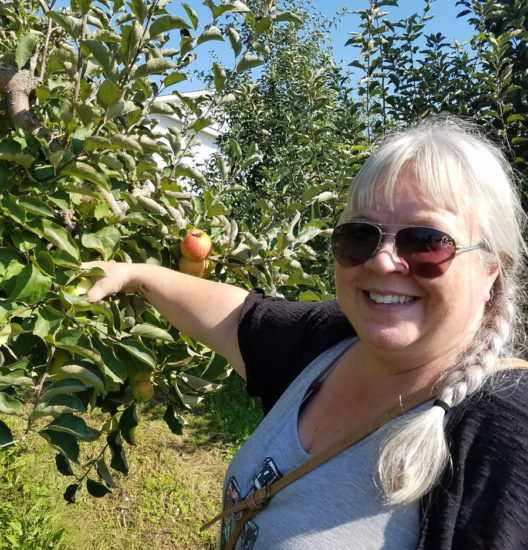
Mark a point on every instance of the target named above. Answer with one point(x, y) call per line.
point(206, 137)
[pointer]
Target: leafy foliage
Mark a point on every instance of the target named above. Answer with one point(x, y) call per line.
point(86, 173)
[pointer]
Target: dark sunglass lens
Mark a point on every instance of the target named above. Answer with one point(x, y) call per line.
point(354, 243)
point(428, 251)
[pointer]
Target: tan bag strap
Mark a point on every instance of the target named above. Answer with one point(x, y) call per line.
point(258, 499)
point(512, 363)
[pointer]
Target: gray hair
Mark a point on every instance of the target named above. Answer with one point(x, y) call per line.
point(457, 169)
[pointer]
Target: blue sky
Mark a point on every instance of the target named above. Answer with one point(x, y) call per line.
point(445, 21)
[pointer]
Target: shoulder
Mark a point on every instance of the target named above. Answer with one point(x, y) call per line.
point(260, 309)
point(477, 504)
point(278, 338)
point(290, 321)
point(499, 410)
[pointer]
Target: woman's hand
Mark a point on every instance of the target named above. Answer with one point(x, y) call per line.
point(120, 277)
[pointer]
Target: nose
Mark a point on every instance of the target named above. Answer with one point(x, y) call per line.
point(386, 259)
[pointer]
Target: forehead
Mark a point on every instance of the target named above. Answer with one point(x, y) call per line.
point(406, 200)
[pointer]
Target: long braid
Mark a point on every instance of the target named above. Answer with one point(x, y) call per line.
point(415, 455)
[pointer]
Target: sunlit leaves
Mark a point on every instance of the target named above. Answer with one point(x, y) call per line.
point(248, 62)
point(211, 33)
point(167, 23)
point(25, 47)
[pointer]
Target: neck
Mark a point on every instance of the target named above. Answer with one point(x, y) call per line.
point(398, 370)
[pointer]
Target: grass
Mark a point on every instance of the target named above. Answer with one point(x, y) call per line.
point(173, 486)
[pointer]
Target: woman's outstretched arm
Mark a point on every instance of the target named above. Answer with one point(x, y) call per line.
point(205, 310)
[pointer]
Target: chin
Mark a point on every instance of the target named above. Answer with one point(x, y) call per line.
point(389, 338)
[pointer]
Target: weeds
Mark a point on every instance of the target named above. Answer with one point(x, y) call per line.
point(174, 485)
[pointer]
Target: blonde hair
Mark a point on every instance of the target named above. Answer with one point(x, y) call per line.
point(459, 170)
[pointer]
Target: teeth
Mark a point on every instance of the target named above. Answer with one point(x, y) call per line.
point(389, 298)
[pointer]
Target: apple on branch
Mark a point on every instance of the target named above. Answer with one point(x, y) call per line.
point(195, 249)
point(196, 245)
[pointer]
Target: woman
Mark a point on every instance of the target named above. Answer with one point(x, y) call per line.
point(428, 255)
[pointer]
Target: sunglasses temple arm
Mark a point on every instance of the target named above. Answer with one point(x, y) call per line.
point(466, 248)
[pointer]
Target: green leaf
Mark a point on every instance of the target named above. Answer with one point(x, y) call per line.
point(48, 321)
point(189, 172)
point(61, 238)
point(63, 442)
point(9, 406)
point(174, 78)
point(104, 474)
point(192, 15)
point(93, 143)
point(174, 420)
point(125, 142)
point(150, 331)
point(139, 351)
point(70, 424)
point(220, 76)
point(217, 368)
point(70, 24)
point(85, 171)
point(298, 277)
point(58, 405)
point(212, 33)
point(31, 285)
point(139, 8)
point(25, 46)
point(248, 62)
point(63, 465)
point(84, 5)
point(130, 39)
point(118, 462)
point(113, 367)
point(287, 16)
point(167, 23)
point(14, 377)
point(513, 118)
point(105, 241)
point(96, 489)
point(200, 123)
point(108, 94)
point(36, 206)
point(128, 423)
point(59, 387)
point(199, 384)
point(70, 492)
point(105, 59)
point(6, 437)
point(158, 65)
point(262, 26)
point(87, 376)
point(234, 39)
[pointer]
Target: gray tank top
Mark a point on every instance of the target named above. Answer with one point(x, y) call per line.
point(336, 506)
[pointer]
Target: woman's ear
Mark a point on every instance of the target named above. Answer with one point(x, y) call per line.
point(493, 273)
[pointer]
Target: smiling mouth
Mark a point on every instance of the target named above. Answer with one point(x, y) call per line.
point(390, 298)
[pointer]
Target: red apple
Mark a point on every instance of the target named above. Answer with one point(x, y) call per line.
point(196, 245)
point(191, 267)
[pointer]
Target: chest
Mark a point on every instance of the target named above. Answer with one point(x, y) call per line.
point(339, 407)
point(330, 506)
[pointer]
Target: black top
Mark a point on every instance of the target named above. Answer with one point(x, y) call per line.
point(482, 501)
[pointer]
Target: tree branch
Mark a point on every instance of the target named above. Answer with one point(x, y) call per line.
point(17, 85)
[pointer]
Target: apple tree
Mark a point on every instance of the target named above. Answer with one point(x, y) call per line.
point(86, 173)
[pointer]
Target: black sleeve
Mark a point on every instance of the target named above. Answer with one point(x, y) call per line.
point(482, 503)
point(279, 338)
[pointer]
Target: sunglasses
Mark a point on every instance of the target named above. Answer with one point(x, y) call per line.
point(427, 251)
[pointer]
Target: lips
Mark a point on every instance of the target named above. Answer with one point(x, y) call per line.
point(390, 298)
